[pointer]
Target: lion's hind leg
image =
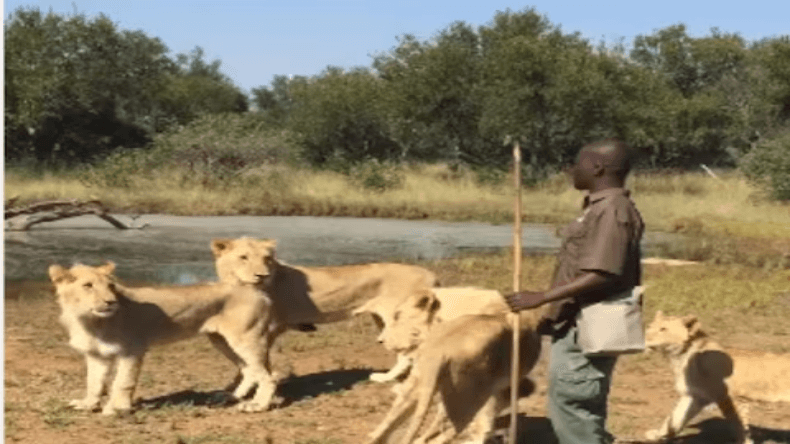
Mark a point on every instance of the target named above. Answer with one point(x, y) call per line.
point(403, 404)
point(738, 416)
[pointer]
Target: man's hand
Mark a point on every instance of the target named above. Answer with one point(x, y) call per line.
point(524, 300)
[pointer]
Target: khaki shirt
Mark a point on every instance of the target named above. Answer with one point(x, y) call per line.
point(604, 239)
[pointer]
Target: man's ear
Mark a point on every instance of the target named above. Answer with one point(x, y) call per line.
point(59, 274)
point(220, 246)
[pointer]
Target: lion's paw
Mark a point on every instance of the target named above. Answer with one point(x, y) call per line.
point(84, 404)
point(252, 407)
point(380, 377)
point(109, 410)
point(654, 435)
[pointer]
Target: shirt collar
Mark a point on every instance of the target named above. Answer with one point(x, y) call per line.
point(599, 195)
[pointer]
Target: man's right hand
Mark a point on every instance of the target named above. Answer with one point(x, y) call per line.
point(524, 300)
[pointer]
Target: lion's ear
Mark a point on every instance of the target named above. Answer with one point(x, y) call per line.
point(270, 244)
point(428, 302)
point(690, 321)
point(107, 268)
point(659, 314)
point(220, 246)
point(59, 274)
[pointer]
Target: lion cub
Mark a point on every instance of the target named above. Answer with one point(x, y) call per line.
point(114, 325)
point(705, 373)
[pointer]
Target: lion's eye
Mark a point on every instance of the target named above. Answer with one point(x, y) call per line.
point(396, 316)
point(88, 285)
point(243, 257)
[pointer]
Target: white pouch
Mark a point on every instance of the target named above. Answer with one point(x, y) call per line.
point(613, 326)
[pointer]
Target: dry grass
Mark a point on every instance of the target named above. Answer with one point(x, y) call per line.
point(685, 202)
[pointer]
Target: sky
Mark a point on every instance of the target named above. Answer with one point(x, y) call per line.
point(258, 39)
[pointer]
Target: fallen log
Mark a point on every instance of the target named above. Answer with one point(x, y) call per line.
point(52, 210)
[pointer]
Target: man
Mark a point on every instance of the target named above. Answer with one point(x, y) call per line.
point(599, 257)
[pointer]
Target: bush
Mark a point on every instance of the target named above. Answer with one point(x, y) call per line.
point(768, 165)
point(214, 151)
point(376, 176)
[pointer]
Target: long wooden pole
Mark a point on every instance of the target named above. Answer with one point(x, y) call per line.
point(515, 372)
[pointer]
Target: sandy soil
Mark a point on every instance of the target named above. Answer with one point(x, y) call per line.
point(326, 400)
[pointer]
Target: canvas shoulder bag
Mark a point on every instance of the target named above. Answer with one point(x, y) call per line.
point(613, 326)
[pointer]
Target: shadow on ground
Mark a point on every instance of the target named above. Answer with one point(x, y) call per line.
point(717, 430)
point(293, 389)
point(188, 398)
point(537, 430)
point(297, 388)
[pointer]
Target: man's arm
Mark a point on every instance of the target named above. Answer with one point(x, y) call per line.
point(589, 282)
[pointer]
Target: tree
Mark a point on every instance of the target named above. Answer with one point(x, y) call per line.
point(77, 88)
point(276, 101)
point(549, 90)
point(197, 88)
point(431, 94)
point(339, 119)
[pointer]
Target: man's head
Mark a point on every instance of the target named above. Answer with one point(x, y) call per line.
point(602, 164)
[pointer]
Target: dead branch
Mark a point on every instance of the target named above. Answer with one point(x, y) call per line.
point(52, 210)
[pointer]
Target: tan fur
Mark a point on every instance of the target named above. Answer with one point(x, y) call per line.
point(706, 373)
point(113, 325)
point(413, 318)
point(311, 295)
point(466, 360)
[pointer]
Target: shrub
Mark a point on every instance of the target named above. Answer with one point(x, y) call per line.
point(768, 165)
point(376, 176)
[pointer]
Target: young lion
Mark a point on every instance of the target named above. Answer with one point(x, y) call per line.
point(115, 325)
point(467, 361)
point(312, 295)
point(705, 373)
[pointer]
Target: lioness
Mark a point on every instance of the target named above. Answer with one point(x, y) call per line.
point(313, 295)
point(115, 325)
point(467, 361)
point(701, 367)
point(413, 317)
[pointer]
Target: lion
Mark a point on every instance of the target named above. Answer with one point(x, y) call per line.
point(114, 325)
point(466, 360)
point(706, 373)
point(413, 317)
point(303, 296)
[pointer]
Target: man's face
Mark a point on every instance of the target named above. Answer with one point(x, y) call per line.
point(583, 171)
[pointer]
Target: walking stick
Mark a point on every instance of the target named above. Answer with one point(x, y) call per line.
point(515, 372)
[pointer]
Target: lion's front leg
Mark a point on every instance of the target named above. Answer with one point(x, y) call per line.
point(97, 369)
point(254, 351)
point(401, 367)
point(686, 408)
point(124, 384)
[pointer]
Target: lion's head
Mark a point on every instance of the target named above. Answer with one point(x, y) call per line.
point(668, 332)
point(245, 260)
point(86, 291)
point(411, 321)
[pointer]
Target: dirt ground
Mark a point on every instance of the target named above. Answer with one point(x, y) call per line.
point(326, 400)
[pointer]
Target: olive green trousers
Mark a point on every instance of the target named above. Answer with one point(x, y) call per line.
point(578, 392)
